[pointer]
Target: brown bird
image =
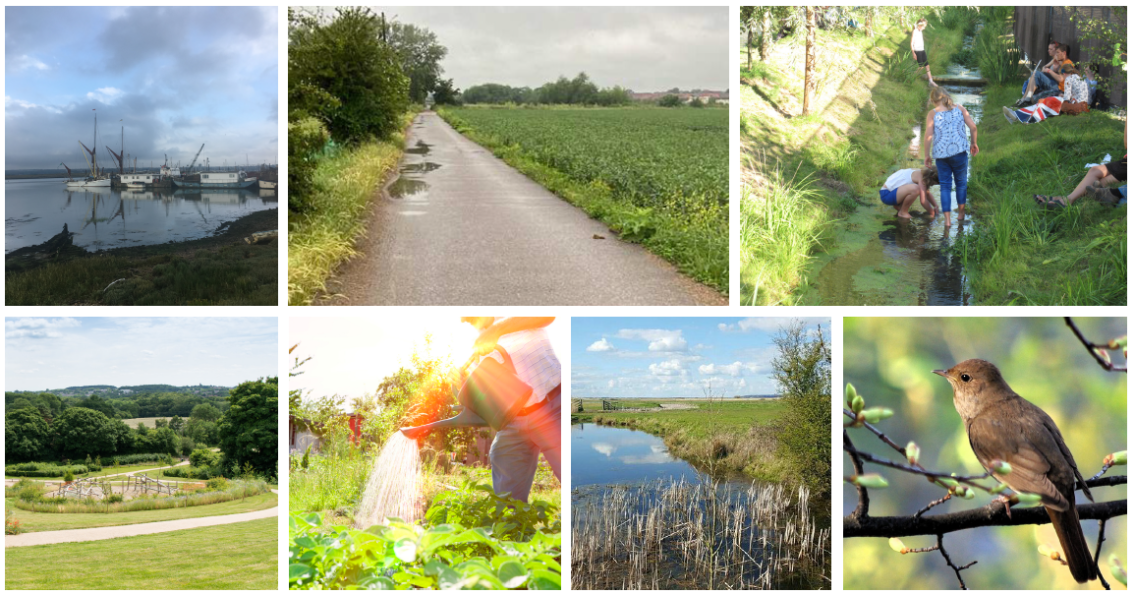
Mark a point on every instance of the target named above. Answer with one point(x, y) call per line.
point(1002, 426)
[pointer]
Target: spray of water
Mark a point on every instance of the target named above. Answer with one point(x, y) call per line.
point(394, 488)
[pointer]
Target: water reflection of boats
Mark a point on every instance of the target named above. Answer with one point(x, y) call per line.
point(217, 195)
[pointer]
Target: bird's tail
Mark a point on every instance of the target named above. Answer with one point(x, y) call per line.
point(1067, 526)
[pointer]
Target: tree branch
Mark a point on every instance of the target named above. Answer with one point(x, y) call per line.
point(1099, 546)
point(992, 515)
point(950, 563)
point(1092, 347)
point(864, 499)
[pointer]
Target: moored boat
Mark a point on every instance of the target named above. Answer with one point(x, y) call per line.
point(215, 180)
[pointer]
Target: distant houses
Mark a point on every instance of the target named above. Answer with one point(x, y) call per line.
point(721, 97)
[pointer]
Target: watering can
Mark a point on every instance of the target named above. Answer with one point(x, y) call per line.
point(492, 396)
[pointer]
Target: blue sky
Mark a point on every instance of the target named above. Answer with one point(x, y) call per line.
point(675, 357)
point(176, 77)
point(42, 353)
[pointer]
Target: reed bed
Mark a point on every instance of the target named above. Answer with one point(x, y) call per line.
point(237, 491)
point(706, 535)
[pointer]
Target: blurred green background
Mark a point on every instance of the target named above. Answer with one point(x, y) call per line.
point(889, 360)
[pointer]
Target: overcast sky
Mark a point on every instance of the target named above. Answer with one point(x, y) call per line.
point(675, 357)
point(641, 48)
point(176, 77)
point(43, 353)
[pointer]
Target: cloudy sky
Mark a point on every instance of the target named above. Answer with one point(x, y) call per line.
point(675, 357)
point(176, 77)
point(43, 353)
point(642, 48)
point(351, 356)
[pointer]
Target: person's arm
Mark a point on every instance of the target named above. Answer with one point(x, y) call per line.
point(928, 135)
point(912, 43)
point(487, 340)
point(972, 131)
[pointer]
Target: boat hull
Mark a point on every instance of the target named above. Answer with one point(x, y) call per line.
point(102, 183)
point(266, 185)
point(244, 184)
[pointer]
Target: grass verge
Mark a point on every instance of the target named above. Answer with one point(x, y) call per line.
point(50, 521)
point(321, 239)
point(218, 270)
point(1021, 254)
point(695, 241)
point(234, 556)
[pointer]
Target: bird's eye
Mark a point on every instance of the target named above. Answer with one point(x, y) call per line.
point(965, 378)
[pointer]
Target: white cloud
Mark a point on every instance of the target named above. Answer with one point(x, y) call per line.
point(105, 94)
point(37, 328)
point(668, 368)
point(733, 369)
point(769, 325)
point(24, 62)
point(660, 339)
point(601, 345)
point(611, 384)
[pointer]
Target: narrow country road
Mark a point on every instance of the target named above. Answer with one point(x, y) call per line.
point(461, 227)
point(100, 533)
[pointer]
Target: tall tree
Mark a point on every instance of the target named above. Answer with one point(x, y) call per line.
point(809, 59)
point(249, 429)
point(80, 432)
point(420, 55)
point(802, 369)
point(27, 437)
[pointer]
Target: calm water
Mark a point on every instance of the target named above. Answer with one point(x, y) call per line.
point(37, 209)
point(604, 455)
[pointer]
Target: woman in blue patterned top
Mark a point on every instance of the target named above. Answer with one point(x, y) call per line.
point(947, 143)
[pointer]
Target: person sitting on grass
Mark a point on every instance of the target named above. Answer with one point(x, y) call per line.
point(1039, 84)
point(1095, 182)
point(905, 185)
point(1074, 100)
point(946, 144)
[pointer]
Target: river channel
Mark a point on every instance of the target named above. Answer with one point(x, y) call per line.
point(880, 259)
point(37, 209)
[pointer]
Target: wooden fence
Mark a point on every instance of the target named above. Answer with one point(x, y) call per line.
point(1035, 26)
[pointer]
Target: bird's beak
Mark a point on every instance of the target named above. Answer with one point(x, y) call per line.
point(941, 373)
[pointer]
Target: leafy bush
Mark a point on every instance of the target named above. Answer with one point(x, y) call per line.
point(305, 137)
point(203, 457)
point(44, 470)
point(26, 490)
point(217, 484)
point(193, 472)
point(476, 505)
point(11, 525)
point(113, 499)
point(403, 554)
point(68, 476)
point(187, 446)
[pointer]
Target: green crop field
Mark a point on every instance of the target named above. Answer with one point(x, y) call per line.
point(234, 556)
point(146, 421)
point(658, 176)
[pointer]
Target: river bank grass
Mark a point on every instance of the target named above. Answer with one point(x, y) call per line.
point(692, 232)
point(1021, 254)
point(733, 437)
point(218, 270)
point(803, 175)
point(322, 238)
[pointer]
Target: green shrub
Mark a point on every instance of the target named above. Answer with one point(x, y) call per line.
point(217, 484)
point(476, 505)
point(187, 446)
point(43, 470)
point(193, 472)
point(68, 476)
point(113, 499)
point(11, 525)
point(203, 457)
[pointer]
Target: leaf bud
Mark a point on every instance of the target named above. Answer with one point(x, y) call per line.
point(912, 452)
point(850, 394)
point(870, 480)
point(1026, 499)
point(897, 545)
point(877, 414)
point(1000, 467)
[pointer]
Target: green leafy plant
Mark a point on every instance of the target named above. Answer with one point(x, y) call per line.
point(403, 555)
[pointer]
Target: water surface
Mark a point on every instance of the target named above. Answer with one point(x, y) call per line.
point(36, 210)
point(602, 455)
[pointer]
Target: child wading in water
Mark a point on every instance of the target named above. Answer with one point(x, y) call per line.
point(905, 185)
point(946, 142)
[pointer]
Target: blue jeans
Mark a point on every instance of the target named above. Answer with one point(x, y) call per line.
point(1044, 84)
point(952, 177)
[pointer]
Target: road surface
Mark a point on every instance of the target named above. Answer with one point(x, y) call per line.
point(461, 227)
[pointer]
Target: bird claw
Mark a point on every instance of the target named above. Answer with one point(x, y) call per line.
point(1004, 500)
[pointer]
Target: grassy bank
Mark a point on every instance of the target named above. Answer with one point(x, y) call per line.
point(51, 521)
point(322, 238)
point(803, 175)
point(1021, 254)
point(218, 270)
point(689, 228)
point(233, 556)
point(732, 437)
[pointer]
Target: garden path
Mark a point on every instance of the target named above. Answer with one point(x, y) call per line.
point(100, 533)
point(460, 226)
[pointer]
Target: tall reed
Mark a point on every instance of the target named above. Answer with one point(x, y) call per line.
point(667, 535)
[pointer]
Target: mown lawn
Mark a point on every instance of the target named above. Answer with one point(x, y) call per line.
point(46, 521)
point(236, 556)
